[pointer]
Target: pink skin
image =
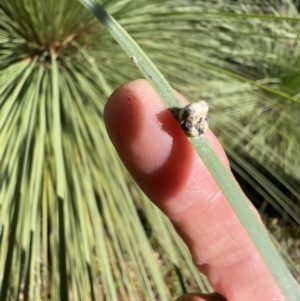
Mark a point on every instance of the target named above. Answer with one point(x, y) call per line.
point(164, 164)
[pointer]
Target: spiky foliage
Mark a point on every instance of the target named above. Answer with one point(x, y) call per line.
point(73, 224)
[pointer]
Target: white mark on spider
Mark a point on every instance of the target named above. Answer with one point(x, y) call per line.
point(194, 118)
point(134, 59)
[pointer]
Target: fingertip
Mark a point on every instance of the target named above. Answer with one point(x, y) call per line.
point(148, 139)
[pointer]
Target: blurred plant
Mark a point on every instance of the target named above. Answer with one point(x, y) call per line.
point(74, 226)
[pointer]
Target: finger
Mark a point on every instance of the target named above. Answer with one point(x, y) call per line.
point(165, 165)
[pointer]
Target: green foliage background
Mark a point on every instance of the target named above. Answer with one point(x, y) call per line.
point(73, 225)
